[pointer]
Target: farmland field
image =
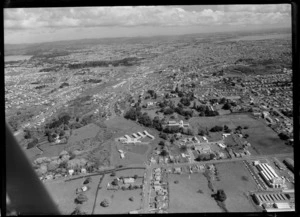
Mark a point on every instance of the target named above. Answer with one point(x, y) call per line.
point(120, 202)
point(63, 194)
point(184, 196)
point(261, 137)
point(235, 180)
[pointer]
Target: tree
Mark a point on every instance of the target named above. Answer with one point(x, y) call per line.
point(145, 120)
point(172, 140)
point(33, 143)
point(81, 198)
point(164, 153)
point(163, 136)
point(246, 136)
point(185, 101)
point(87, 181)
point(201, 132)
point(131, 199)
point(227, 106)
point(183, 148)
point(220, 196)
point(156, 123)
point(131, 114)
point(115, 182)
point(135, 176)
point(77, 211)
point(168, 111)
point(216, 129)
point(27, 134)
point(283, 136)
point(222, 101)
point(161, 143)
point(105, 203)
point(238, 128)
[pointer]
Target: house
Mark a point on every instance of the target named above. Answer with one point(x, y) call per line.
point(140, 134)
point(83, 170)
point(156, 182)
point(179, 124)
point(128, 180)
point(84, 188)
point(177, 170)
point(135, 136)
point(149, 135)
point(71, 172)
point(127, 137)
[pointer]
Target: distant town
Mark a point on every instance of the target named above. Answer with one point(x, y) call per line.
point(172, 125)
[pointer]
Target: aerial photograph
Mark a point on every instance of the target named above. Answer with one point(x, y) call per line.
point(153, 109)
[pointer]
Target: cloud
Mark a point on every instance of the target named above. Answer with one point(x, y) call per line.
point(35, 18)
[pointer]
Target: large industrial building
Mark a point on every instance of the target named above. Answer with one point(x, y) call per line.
point(265, 198)
point(270, 176)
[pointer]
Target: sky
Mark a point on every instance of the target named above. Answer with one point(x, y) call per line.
point(35, 25)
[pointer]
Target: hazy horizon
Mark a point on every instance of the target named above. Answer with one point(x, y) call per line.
point(39, 25)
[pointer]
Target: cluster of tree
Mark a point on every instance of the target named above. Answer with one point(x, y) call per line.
point(216, 129)
point(181, 111)
point(226, 129)
point(93, 81)
point(132, 114)
point(220, 195)
point(81, 198)
point(185, 101)
point(77, 211)
point(163, 136)
point(65, 84)
point(152, 94)
point(283, 136)
point(205, 111)
point(144, 119)
point(62, 119)
point(129, 61)
point(41, 87)
point(168, 111)
point(33, 143)
point(172, 129)
point(205, 157)
point(51, 69)
point(156, 123)
point(287, 113)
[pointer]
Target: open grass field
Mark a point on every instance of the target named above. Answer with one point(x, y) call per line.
point(63, 194)
point(88, 131)
point(261, 137)
point(130, 156)
point(235, 180)
point(136, 155)
point(184, 196)
point(120, 202)
point(137, 149)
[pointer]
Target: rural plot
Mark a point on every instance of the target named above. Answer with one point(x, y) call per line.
point(119, 199)
point(190, 194)
point(236, 181)
point(263, 139)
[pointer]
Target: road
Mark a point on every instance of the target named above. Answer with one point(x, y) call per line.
point(253, 157)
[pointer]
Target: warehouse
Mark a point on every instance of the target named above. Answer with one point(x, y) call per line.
point(270, 176)
point(262, 198)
